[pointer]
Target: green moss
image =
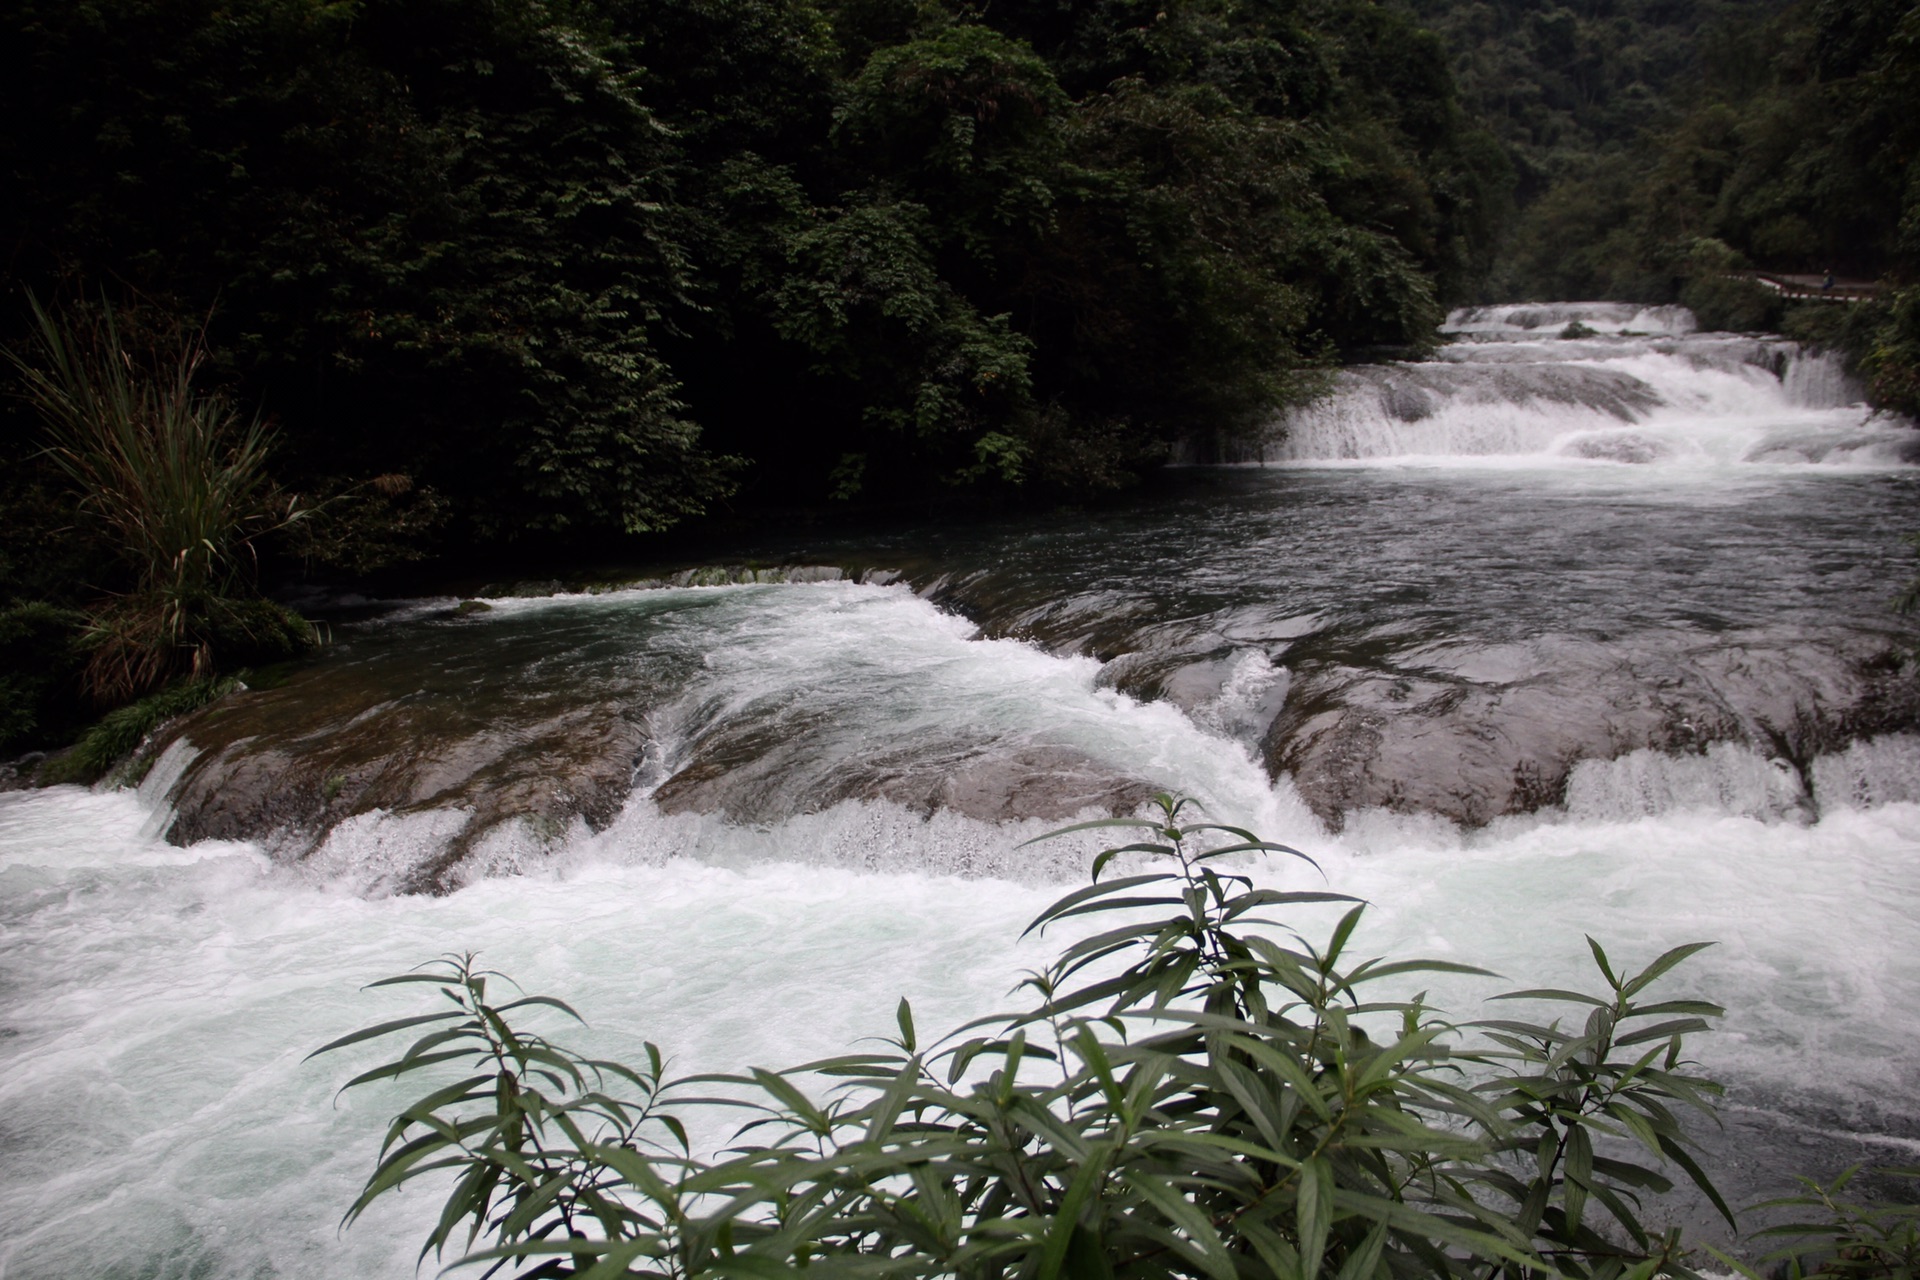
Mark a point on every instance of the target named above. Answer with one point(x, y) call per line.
point(119, 733)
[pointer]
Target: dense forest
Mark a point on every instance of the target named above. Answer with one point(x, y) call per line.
point(1659, 147)
point(595, 264)
point(413, 278)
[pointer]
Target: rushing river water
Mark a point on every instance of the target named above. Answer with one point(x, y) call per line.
point(1542, 637)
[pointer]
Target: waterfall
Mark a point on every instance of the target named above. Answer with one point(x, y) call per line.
point(1819, 380)
point(1638, 387)
point(1547, 319)
point(1542, 637)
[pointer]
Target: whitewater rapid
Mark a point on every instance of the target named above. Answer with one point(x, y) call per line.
point(1637, 386)
point(162, 1119)
point(780, 863)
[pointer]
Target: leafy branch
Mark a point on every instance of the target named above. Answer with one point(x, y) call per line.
point(1214, 1104)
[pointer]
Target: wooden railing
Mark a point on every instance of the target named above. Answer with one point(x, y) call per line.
point(1811, 288)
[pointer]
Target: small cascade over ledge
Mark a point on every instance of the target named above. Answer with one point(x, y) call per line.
point(1583, 384)
point(1636, 570)
point(1550, 319)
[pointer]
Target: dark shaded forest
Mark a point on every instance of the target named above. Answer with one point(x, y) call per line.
point(1660, 147)
point(590, 264)
point(547, 277)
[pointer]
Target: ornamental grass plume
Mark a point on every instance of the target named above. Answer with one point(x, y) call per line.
point(178, 480)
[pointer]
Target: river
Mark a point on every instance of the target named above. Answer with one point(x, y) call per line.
point(1541, 637)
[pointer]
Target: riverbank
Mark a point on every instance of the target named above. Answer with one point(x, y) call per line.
point(1606, 650)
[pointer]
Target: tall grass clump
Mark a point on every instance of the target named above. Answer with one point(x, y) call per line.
point(119, 733)
point(1192, 1090)
point(177, 477)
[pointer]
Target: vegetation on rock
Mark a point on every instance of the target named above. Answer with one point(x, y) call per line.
point(1661, 147)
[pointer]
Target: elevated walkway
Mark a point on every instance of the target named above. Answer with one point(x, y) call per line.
point(1812, 288)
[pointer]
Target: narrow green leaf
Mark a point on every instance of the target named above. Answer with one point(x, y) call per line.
point(1550, 993)
point(1678, 1154)
point(384, 1028)
point(1667, 960)
point(1315, 1207)
point(545, 1001)
point(903, 1015)
point(1600, 958)
point(1364, 1262)
point(1181, 1214)
point(1080, 1189)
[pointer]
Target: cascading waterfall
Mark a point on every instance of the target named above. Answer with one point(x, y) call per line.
point(1637, 680)
point(1549, 319)
point(1637, 387)
point(1819, 380)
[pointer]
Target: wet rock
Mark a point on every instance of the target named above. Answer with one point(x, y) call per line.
point(531, 722)
point(20, 773)
point(992, 783)
point(1409, 403)
point(1606, 317)
point(1229, 689)
point(1442, 407)
point(1625, 446)
point(728, 575)
point(1813, 447)
point(526, 590)
point(286, 765)
point(1475, 732)
point(530, 725)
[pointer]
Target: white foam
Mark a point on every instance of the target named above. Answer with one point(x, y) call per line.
point(1250, 696)
point(1726, 778)
point(1714, 401)
point(157, 1002)
point(159, 1013)
point(1867, 775)
point(1819, 380)
point(1528, 318)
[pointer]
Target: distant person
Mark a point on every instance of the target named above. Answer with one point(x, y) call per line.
point(1826, 286)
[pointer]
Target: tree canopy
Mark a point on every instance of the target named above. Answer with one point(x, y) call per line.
point(581, 267)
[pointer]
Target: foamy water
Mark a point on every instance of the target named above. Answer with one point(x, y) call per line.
point(161, 1120)
point(1643, 390)
point(157, 1114)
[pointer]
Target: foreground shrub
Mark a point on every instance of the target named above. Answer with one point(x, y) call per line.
point(179, 480)
point(1844, 1238)
point(1193, 1092)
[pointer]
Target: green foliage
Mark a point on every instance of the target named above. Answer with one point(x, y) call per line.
point(1777, 137)
point(40, 662)
point(1194, 1092)
point(1720, 299)
point(1890, 353)
point(180, 484)
point(365, 526)
point(1848, 1237)
point(120, 732)
point(436, 231)
point(562, 264)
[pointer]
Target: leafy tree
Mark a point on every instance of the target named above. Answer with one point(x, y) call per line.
point(436, 228)
point(557, 268)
